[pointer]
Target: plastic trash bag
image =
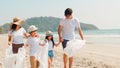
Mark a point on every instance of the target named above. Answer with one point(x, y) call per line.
point(8, 51)
point(20, 58)
point(14, 60)
point(73, 47)
point(10, 58)
point(42, 56)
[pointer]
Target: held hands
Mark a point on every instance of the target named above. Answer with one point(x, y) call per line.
point(42, 44)
point(61, 39)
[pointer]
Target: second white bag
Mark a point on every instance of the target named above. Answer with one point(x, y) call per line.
point(73, 47)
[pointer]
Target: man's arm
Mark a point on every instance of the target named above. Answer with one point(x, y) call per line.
point(59, 33)
point(80, 33)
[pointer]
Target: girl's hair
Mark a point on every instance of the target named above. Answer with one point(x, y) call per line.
point(51, 40)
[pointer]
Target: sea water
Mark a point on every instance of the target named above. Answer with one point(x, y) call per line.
point(111, 37)
point(108, 37)
point(102, 32)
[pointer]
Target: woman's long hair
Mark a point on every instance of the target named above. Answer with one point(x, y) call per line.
point(51, 40)
point(13, 27)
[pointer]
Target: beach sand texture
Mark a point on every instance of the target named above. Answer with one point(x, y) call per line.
point(90, 56)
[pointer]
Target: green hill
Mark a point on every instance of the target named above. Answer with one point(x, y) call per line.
point(88, 26)
point(44, 24)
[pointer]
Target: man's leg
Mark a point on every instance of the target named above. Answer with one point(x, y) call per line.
point(64, 55)
point(70, 62)
point(65, 60)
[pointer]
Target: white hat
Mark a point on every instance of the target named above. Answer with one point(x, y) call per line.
point(32, 28)
point(49, 33)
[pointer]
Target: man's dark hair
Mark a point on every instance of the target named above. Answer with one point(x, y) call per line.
point(68, 11)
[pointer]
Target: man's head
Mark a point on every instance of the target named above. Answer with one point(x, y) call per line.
point(68, 12)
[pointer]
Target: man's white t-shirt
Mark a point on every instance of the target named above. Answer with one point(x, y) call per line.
point(68, 30)
point(33, 42)
point(18, 36)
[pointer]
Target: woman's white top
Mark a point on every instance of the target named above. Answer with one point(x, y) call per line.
point(18, 36)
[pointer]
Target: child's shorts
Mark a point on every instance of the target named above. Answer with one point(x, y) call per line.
point(50, 54)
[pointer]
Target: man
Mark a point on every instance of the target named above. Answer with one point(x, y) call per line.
point(66, 32)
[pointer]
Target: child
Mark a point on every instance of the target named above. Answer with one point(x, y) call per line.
point(34, 42)
point(49, 37)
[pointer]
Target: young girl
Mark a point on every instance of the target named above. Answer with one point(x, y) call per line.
point(49, 37)
point(34, 43)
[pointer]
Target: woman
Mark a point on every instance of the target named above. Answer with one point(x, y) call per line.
point(16, 35)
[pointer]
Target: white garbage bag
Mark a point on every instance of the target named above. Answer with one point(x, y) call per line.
point(10, 58)
point(42, 56)
point(8, 51)
point(14, 60)
point(20, 58)
point(73, 47)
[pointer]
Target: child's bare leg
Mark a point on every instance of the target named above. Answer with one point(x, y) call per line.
point(32, 62)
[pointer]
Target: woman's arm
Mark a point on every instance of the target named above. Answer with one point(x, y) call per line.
point(9, 40)
point(26, 35)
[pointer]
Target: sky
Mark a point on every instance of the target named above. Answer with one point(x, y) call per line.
point(105, 14)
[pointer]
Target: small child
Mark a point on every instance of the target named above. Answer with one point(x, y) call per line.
point(49, 37)
point(34, 42)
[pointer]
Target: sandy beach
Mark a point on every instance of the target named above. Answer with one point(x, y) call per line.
point(90, 55)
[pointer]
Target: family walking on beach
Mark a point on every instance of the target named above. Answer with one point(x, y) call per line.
point(66, 32)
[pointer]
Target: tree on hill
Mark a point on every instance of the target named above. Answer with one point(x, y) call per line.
point(46, 23)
